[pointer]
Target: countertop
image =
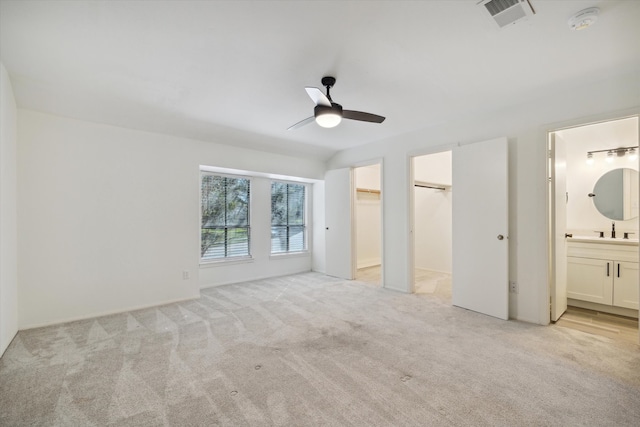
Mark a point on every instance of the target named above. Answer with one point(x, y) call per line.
point(607, 240)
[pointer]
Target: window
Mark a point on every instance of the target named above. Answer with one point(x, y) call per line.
point(287, 217)
point(224, 231)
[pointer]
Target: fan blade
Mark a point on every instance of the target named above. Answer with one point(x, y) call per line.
point(302, 123)
point(363, 117)
point(317, 96)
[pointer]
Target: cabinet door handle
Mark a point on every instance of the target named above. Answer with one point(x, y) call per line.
point(608, 269)
point(618, 269)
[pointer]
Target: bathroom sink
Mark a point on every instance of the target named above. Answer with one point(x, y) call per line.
point(607, 240)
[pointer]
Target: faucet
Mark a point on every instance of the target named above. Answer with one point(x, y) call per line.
point(613, 230)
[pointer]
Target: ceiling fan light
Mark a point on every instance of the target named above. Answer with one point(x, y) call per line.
point(328, 119)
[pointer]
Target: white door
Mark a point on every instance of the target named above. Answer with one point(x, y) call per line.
point(480, 228)
point(559, 200)
point(338, 219)
point(625, 284)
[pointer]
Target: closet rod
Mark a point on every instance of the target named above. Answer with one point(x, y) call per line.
point(430, 186)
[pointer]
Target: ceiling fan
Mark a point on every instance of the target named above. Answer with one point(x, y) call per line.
point(327, 113)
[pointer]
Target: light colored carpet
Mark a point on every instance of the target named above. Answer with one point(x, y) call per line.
point(313, 350)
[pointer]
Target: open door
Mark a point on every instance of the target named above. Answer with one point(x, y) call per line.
point(558, 250)
point(338, 218)
point(480, 228)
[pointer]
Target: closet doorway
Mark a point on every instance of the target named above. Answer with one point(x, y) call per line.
point(368, 223)
point(432, 224)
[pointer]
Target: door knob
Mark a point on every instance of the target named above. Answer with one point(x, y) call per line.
point(500, 237)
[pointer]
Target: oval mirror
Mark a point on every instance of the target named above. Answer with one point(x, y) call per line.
point(615, 195)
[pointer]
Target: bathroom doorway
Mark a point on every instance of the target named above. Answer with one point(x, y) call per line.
point(432, 224)
point(593, 195)
point(368, 223)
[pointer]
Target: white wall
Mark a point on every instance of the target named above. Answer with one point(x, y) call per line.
point(582, 216)
point(368, 216)
point(525, 124)
point(8, 212)
point(433, 213)
point(108, 217)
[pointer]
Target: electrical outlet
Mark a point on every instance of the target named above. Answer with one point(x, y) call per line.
point(185, 275)
point(513, 287)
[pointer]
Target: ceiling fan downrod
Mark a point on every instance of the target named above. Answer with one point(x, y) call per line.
point(328, 82)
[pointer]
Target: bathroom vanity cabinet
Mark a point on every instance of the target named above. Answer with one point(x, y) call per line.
point(603, 271)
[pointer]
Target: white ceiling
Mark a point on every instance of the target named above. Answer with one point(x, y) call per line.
point(235, 71)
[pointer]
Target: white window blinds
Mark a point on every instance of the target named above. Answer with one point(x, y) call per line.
point(288, 232)
point(225, 217)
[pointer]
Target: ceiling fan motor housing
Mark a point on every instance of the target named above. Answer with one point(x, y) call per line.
point(323, 109)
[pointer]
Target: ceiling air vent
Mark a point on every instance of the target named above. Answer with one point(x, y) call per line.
point(505, 12)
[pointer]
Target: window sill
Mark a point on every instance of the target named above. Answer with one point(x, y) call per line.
point(225, 262)
point(286, 255)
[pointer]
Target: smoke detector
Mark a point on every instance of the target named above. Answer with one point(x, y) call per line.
point(583, 19)
point(507, 12)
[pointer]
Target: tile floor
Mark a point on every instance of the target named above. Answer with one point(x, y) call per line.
point(618, 328)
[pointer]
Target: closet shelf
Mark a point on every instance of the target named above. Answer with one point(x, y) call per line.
point(367, 190)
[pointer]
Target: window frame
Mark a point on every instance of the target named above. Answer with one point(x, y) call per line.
point(228, 259)
point(305, 225)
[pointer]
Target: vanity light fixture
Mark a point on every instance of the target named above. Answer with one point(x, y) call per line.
point(614, 152)
point(589, 158)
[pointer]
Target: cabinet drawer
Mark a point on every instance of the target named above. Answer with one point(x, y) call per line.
point(603, 251)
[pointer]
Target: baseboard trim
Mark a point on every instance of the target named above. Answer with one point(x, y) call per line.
point(2, 350)
point(620, 311)
point(366, 263)
point(105, 313)
point(251, 279)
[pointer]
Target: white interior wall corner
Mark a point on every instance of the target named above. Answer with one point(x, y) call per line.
point(8, 213)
